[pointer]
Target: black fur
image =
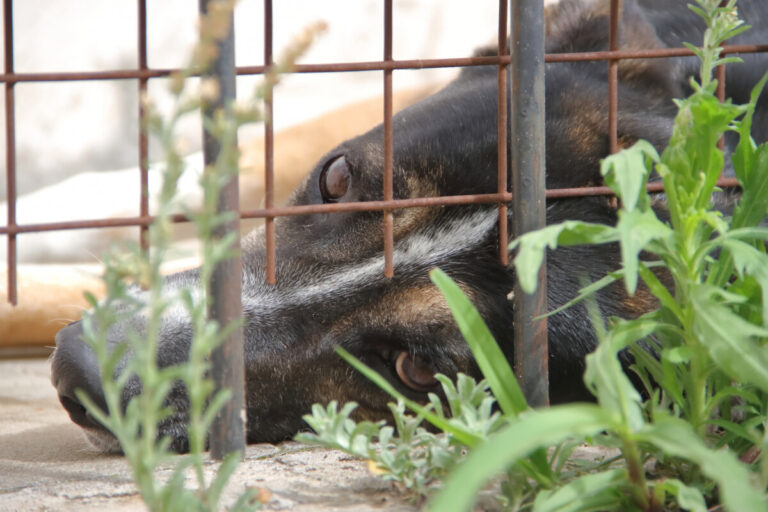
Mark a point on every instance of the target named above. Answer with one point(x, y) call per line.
point(445, 145)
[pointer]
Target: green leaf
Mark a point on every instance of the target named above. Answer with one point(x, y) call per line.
point(658, 289)
point(636, 230)
point(723, 268)
point(678, 355)
point(743, 157)
point(677, 438)
point(689, 498)
point(747, 234)
point(605, 378)
point(533, 245)
point(533, 430)
point(692, 162)
point(625, 332)
point(737, 430)
point(749, 260)
point(591, 492)
point(488, 355)
point(626, 172)
point(728, 338)
point(612, 277)
point(225, 471)
point(645, 363)
point(589, 291)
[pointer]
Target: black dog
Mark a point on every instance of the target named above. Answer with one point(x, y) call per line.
point(330, 286)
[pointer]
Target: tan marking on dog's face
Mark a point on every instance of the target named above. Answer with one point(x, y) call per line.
point(585, 132)
point(409, 219)
point(410, 306)
point(626, 141)
point(642, 301)
point(331, 386)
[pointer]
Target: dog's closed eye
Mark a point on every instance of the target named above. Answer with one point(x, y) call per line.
point(414, 372)
point(335, 180)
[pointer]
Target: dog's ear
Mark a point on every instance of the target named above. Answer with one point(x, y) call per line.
point(577, 135)
point(647, 85)
point(584, 25)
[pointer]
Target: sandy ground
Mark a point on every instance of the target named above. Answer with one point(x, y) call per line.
point(46, 464)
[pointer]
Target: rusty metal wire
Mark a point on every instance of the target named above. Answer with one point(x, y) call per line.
point(286, 211)
point(332, 67)
point(143, 74)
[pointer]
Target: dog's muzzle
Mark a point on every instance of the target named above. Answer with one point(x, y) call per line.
point(73, 367)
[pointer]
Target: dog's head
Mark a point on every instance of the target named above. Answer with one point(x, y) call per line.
point(331, 289)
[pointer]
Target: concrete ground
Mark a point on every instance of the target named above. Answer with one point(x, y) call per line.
point(46, 464)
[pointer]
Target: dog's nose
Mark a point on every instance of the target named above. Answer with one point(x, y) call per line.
point(74, 366)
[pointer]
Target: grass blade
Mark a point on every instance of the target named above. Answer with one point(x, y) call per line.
point(678, 438)
point(595, 491)
point(533, 431)
point(492, 361)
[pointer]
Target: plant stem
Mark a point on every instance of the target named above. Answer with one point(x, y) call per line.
point(636, 471)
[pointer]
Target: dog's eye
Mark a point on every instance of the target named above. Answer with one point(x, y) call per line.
point(414, 372)
point(334, 180)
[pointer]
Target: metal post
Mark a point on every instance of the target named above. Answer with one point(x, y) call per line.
point(10, 152)
point(527, 138)
point(143, 136)
point(388, 191)
point(228, 429)
point(269, 152)
point(502, 122)
point(613, 78)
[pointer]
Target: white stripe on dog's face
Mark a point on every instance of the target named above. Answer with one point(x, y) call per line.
point(417, 252)
point(420, 250)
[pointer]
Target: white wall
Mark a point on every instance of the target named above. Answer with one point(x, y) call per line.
point(65, 128)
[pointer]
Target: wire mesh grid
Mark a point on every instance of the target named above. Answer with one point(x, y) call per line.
point(503, 197)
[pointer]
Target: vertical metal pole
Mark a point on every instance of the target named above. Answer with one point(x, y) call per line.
point(269, 152)
point(10, 152)
point(143, 139)
point(388, 224)
point(228, 429)
point(527, 138)
point(613, 78)
point(502, 121)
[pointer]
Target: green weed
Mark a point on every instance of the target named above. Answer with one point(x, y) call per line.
point(702, 353)
point(128, 270)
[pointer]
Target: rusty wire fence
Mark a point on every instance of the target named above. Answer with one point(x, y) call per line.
point(520, 129)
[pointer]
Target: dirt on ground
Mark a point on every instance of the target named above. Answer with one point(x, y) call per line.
point(46, 464)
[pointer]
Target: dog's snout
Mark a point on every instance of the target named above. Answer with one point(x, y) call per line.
point(73, 367)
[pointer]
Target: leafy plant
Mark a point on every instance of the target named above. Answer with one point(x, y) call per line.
point(710, 330)
point(407, 453)
point(701, 354)
point(136, 289)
